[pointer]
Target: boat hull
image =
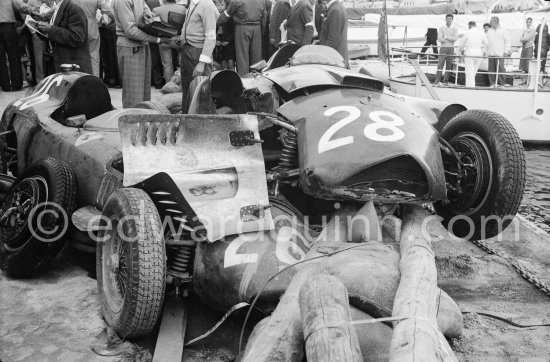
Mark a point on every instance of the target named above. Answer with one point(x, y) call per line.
point(529, 114)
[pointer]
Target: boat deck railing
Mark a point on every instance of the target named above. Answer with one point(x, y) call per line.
point(428, 60)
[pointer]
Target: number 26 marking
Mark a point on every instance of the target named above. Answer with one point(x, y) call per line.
point(327, 143)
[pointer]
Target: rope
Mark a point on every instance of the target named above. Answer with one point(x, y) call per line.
point(211, 330)
point(359, 322)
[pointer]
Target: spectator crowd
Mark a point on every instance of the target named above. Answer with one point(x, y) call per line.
point(107, 38)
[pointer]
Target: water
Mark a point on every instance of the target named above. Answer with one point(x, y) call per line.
point(536, 199)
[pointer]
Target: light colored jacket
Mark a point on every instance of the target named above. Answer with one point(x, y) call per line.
point(90, 8)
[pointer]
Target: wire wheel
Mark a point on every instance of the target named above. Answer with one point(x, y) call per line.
point(476, 185)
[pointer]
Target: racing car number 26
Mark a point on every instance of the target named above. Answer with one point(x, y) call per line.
point(382, 120)
point(42, 95)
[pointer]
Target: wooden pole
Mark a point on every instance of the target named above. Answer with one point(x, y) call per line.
point(325, 314)
point(417, 338)
point(281, 337)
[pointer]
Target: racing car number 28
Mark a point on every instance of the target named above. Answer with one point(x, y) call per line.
point(381, 120)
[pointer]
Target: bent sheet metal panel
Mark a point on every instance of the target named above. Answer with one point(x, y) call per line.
point(222, 183)
point(343, 118)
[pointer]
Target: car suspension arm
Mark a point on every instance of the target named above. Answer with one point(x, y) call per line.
point(276, 120)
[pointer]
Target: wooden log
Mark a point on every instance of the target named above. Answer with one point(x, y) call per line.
point(418, 337)
point(325, 314)
point(281, 338)
point(368, 273)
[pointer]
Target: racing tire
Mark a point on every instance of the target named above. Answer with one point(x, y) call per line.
point(155, 106)
point(131, 263)
point(41, 201)
point(490, 145)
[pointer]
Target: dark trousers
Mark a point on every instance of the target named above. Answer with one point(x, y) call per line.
point(446, 56)
point(156, 65)
point(12, 78)
point(543, 55)
point(495, 63)
point(108, 62)
point(248, 43)
point(189, 60)
point(429, 43)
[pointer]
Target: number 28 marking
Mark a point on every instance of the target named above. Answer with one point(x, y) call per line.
point(382, 120)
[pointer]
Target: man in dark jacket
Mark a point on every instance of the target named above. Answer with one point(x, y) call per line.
point(68, 35)
point(334, 32)
point(281, 11)
point(249, 15)
point(299, 24)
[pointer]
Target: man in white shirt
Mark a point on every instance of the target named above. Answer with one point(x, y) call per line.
point(472, 42)
point(527, 44)
point(498, 47)
point(447, 36)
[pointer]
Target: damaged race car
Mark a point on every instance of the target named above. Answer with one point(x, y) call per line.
point(201, 201)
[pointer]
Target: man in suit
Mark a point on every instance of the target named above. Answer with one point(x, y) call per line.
point(90, 8)
point(299, 24)
point(249, 15)
point(67, 32)
point(281, 11)
point(334, 32)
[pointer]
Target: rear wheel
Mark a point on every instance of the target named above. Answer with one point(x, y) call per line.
point(485, 191)
point(156, 106)
point(35, 217)
point(131, 263)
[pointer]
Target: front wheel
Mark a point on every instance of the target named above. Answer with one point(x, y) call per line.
point(483, 193)
point(131, 263)
point(34, 217)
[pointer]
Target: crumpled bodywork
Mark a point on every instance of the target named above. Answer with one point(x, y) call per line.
point(299, 77)
point(365, 145)
point(88, 150)
point(217, 170)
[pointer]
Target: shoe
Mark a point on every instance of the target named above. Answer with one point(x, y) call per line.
point(493, 86)
point(436, 84)
point(506, 85)
point(446, 84)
